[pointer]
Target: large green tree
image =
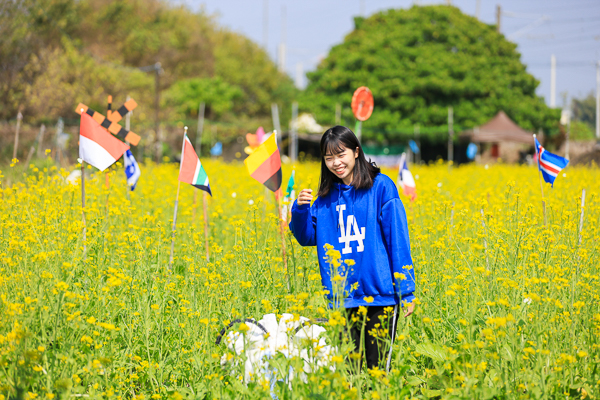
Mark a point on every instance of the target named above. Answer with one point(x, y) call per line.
point(418, 62)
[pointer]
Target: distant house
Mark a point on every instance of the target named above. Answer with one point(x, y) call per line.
point(501, 138)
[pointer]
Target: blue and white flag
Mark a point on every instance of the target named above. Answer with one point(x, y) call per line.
point(132, 169)
point(217, 149)
point(550, 164)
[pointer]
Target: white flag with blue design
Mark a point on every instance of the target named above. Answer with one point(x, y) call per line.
point(132, 169)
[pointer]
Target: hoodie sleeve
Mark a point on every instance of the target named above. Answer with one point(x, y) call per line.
point(397, 243)
point(303, 224)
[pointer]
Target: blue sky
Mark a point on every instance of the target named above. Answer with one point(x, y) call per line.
point(568, 29)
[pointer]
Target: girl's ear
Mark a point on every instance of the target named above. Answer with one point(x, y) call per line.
point(356, 153)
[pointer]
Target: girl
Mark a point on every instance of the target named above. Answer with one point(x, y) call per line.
point(359, 213)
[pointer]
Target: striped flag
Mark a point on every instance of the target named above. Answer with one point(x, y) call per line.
point(406, 180)
point(289, 192)
point(132, 170)
point(550, 164)
point(264, 164)
point(190, 169)
point(97, 147)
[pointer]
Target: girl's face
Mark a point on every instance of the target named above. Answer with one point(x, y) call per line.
point(342, 164)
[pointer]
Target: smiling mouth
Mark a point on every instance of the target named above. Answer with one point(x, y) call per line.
point(340, 171)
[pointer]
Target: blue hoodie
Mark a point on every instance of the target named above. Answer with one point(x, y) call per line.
point(369, 227)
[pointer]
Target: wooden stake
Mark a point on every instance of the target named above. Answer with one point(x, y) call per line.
point(204, 201)
point(19, 119)
point(194, 209)
point(487, 259)
point(33, 146)
point(176, 204)
point(108, 111)
point(40, 141)
point(174, 225)
point(452, 219)
point(581, 218)
point(109, 108)
point(283, 249)
point(540, 177)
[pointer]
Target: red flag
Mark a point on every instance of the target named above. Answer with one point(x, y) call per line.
point(97, 147)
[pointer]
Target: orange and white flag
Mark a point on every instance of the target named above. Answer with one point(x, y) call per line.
point(97, 146)
point(406, 180)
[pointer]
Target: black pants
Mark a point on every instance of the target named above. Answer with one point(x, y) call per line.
point(379, 332)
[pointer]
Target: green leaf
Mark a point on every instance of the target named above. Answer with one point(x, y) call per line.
point(507, 353)
point(431, 393)
point(414, 381)
point(434, 351)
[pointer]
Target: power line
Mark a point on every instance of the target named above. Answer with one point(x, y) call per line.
point(574, 8)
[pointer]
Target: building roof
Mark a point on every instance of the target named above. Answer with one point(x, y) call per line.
point(500, 129)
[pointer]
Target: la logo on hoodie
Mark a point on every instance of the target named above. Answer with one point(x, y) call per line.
point(346, 237)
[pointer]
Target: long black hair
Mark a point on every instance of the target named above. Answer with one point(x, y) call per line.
point(335, 140)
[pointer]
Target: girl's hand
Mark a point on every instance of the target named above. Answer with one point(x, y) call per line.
point(305, 197)
point(409, 308)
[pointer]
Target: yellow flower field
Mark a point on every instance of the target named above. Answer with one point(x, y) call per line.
point(507, 306)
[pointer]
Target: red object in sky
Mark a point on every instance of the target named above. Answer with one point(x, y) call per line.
point(362, 103)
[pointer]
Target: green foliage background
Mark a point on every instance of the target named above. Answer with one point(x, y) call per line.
point(418, 62)
point(56, 53)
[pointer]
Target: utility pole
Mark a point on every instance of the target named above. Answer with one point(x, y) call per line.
point(266, 24)
point(498, 14)
point(552, 81)
point(281, 57)
point(418, 140)
point(275, 115)
point(568, 133)
point(598, 101)
point(450, 136)
point(16, 147)
point(157, 70)
point(299, 75)
point(294, 133)
point(156, 67)
point(200, 129)
point(478, 9)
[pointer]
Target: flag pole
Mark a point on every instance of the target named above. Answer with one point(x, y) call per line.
point(279, 198)
point(175, 208)
point(282, 233)
point(83, 204)
point(83, 207)
point(194, 209)
point(540, 177)
point(204, 201)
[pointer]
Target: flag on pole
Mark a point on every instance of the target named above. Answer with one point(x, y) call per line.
point(289, 192)
point(97, 147)
point(406, 180)
point(290, 196)
point(264, 164)
point(132, 170)
point(550, 164)
point(190, 169)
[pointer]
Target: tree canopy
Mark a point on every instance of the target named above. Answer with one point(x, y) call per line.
point(420, 61)
point(56, 53)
